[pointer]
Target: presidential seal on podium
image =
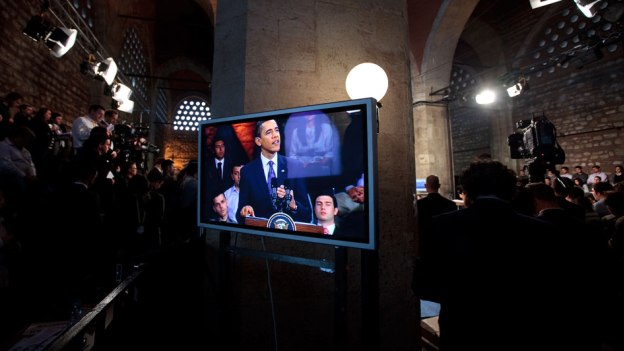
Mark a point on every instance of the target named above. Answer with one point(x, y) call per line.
point(282, 221)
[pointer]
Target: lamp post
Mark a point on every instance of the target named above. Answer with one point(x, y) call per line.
point(364, 81)
point(367, 80)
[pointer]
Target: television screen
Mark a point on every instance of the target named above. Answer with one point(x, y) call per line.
point(305, 173)
point(420, 186)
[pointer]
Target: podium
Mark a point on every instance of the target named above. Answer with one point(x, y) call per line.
point(299, 226)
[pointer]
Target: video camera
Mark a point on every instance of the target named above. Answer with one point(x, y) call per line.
point(536, 141)
point(132, 143)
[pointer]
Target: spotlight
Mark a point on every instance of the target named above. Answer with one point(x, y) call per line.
point(485, 97)
point(121, 92)
point(124, 106)
point(588, 7)
point(58, 39)
point(539, 3)
point(105, 70)
point(61, 40)
point(517, 88)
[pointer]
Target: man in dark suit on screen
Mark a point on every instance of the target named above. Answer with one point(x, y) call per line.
point(271, 173)
point(219, 168)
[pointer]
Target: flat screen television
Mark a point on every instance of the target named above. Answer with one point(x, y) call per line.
point(322, 186)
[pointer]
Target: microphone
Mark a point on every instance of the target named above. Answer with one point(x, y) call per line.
point(280, 204)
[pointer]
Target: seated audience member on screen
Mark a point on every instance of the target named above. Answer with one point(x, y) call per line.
point(352, 199)
point(231, 194)
point(325, 211)
point(272, 171)
point(220, 208)
point(314, 142)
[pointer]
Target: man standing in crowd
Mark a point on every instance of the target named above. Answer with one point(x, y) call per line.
point(489, 265)
point(219, 168)
point(81, 127)
point(432, 205)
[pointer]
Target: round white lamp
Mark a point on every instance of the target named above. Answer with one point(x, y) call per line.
point(367, 80)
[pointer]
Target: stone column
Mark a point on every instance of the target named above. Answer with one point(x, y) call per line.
point(277, 54)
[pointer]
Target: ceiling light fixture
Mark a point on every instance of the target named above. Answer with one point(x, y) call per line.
point(120, 92)
point(485, 97)
point(58, 39)
point(517, 88)
point(105, 70)
point(588, 7)
point(539, 3)
point(124, 106)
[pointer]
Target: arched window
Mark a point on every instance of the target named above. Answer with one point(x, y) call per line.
point(189, 113)
point(133, 63)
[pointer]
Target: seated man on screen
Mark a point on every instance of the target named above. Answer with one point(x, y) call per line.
point(325, 210)
point(231, 194)
point(220, 208)
point(271, 173)
point(352, 199)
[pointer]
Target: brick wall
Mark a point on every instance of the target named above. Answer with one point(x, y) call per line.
point(28, 67)
point(585, 105)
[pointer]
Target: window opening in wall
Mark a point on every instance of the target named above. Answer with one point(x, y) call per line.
point(189, 113)
point(133, 62)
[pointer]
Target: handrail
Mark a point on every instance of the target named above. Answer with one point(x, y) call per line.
point(70, 335)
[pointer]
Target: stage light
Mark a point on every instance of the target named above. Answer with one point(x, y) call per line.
point(121, 92)
point(517, 88)
point(105, 70)
point(124, 106)
point(588, 7)
point(539, 3)
point(367, 80)
point(485, 97)
point(61, 40)
point(58, 39)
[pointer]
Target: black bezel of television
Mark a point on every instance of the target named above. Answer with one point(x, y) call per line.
point(341, 152)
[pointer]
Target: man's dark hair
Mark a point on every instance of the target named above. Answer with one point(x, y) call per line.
point(214, 195)
point(562, 186)
point(327, 193)
point(541, 191)
point(488, 178)
point(259, 127)
point(603, 187)
point(154, 175)
point(96, 107)
point(109, 113)
point(166, 164)
point(191, 168)
point(433, 181)
point(13, 96)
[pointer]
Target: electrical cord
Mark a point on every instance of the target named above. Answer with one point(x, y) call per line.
point(266, 261)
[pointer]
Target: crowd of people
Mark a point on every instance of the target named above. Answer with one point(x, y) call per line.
point(75, 207)
point(525, 265)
